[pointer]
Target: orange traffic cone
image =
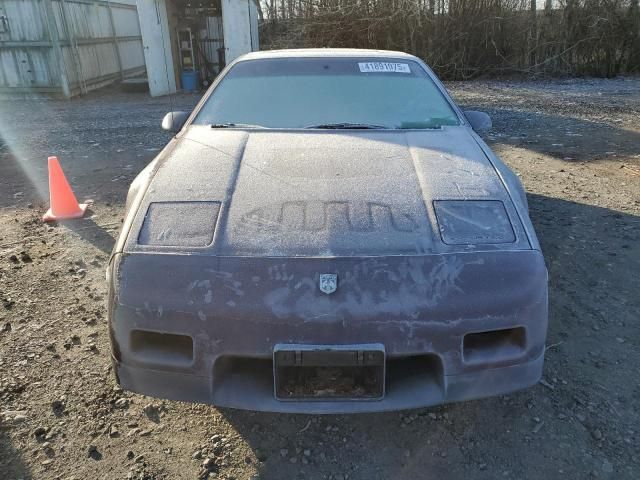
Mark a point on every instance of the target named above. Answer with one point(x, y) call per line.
point(63, 202)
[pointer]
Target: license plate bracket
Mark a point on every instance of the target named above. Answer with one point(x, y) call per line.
point(329, 372)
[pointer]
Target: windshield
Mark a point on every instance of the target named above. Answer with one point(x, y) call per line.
point(326, 93)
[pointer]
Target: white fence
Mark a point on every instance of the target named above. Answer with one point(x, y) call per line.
point(67, 47)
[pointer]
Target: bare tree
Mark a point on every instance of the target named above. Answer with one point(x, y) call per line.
point(466, 38)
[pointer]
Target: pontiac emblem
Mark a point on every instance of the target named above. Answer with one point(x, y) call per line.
point(328, 282)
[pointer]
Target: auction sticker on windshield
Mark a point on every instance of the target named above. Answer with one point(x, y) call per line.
point(384, 67)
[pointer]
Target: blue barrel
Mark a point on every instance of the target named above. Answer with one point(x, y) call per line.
point(189, 80)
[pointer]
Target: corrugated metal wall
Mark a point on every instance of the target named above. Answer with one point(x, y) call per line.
point(66, 47)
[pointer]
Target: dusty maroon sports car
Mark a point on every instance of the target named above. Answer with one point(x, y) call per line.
point(327, 233)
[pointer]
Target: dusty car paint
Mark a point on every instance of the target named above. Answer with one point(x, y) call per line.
point(228, 232)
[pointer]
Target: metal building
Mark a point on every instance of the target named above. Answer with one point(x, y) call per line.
point(67, 47)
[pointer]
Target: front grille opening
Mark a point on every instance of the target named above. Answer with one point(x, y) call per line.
point(227, 367)
point(245, 376)
point(416, 376)
point(417, 372)
point(161, 348)
point(494, 346)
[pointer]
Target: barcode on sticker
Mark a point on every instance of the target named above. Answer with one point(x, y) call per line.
point(384, 67)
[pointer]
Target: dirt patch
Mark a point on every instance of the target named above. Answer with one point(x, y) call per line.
point(575, 144)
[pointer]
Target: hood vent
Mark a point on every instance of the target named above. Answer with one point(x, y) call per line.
point(179, 224)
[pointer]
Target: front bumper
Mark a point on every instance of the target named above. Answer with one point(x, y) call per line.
point(255, 391)
point(429, 312)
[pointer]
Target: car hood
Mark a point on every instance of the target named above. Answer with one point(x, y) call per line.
point(316, 193)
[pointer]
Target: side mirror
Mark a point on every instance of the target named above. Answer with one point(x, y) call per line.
point(479, 120)
point(173, 121)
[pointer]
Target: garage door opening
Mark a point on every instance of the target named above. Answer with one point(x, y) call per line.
point(188, 43)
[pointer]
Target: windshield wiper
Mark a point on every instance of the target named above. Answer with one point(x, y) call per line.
point(348, 126)
point(235, 125)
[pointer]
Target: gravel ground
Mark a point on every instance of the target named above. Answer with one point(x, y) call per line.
point(575, 144)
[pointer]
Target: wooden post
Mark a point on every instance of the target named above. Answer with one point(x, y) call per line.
point(114, 39)
point(54, 38)
point(73, 48)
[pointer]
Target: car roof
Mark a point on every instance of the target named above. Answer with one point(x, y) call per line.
point(325, 52)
